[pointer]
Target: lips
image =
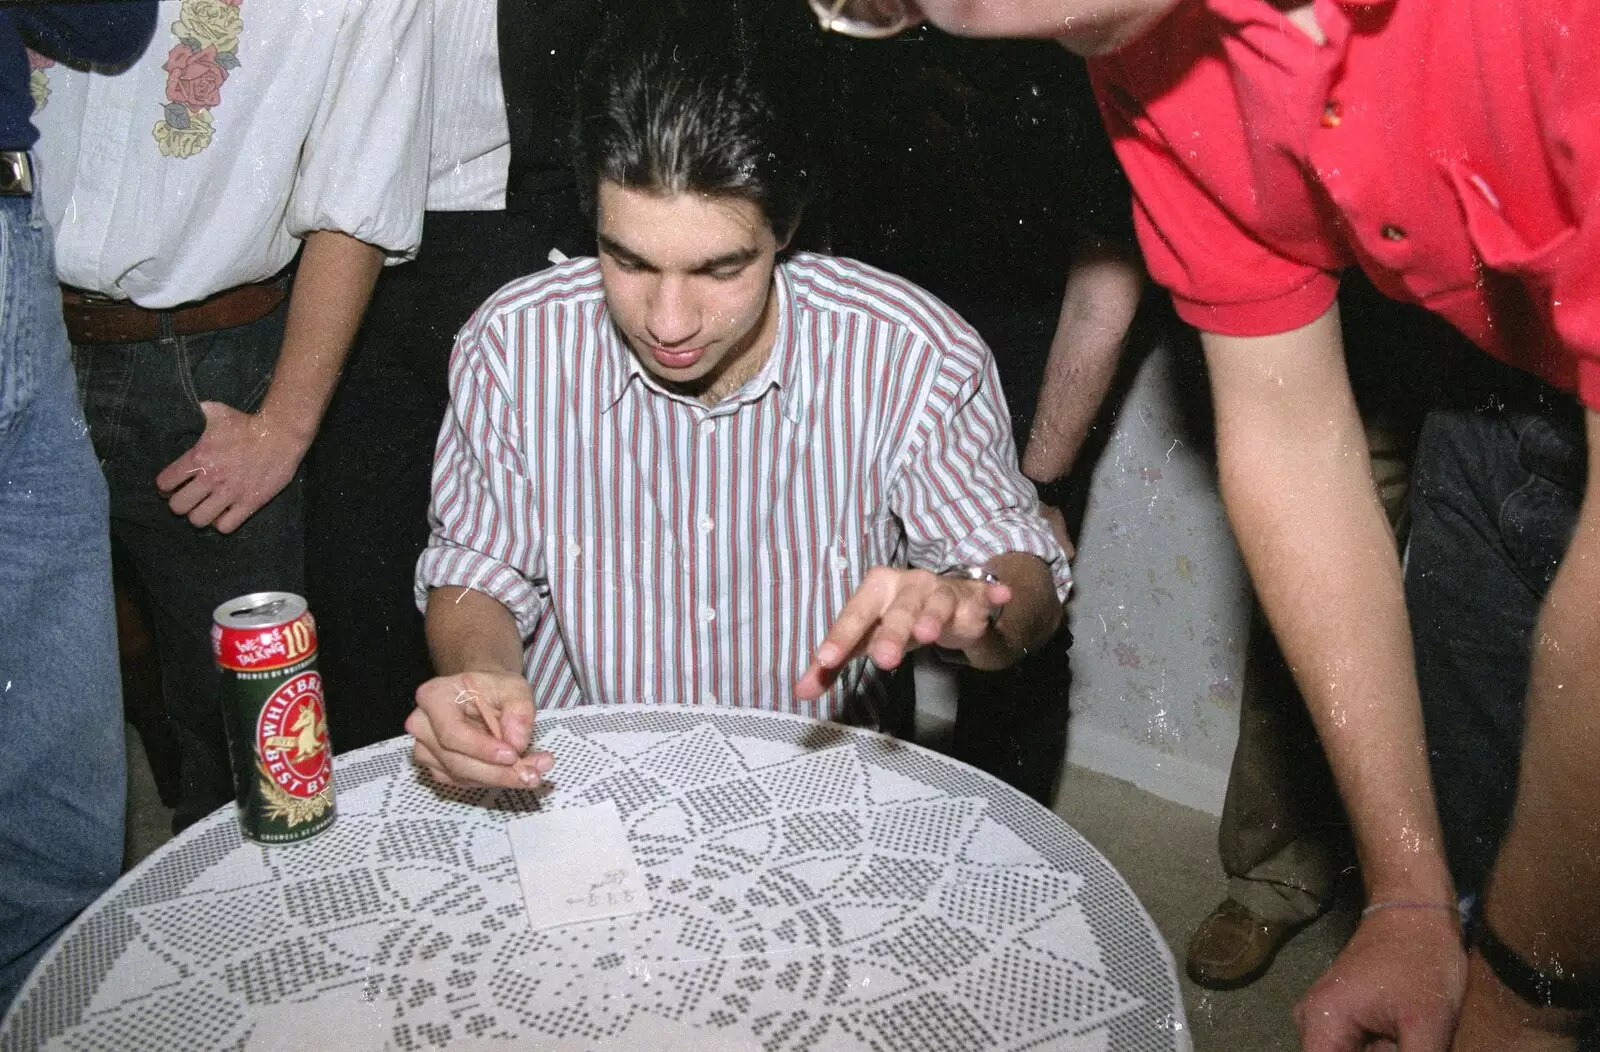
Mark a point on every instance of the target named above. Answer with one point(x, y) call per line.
point(671, 359)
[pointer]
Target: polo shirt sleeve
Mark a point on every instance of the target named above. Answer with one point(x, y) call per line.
point(1222, 279)
point(960, 495)
point(364, 167)
point(483, 535)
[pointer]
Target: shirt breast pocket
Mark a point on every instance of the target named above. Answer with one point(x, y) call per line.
point(1497, 240)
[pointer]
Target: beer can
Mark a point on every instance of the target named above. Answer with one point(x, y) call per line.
point(272, 705)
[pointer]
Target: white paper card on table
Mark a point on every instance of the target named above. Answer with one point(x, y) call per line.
point(575, 865)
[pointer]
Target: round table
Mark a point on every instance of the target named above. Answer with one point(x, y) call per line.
point(812, 887)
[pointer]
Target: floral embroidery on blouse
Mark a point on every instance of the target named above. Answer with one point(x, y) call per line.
point(207, 48)
point(38, 81)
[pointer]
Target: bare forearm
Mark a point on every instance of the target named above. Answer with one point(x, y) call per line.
point(1101, 297)
point(331, 288)
point(1029, 618)
point(1295, 477)
point(1542, 899)
point(469, 631)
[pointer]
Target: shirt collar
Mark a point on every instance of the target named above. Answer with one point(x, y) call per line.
point(782, 369)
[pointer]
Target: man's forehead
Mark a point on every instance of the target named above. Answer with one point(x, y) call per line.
point(678, 229)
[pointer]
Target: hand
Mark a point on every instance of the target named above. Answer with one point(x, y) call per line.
point(475, 729)
point(899, 610)
point(1493, 1019)
point(1058, 526)
point(241, 462)
point(1397, 984)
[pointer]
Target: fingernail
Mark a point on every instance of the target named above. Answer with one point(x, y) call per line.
point(826, 654)
point(529, 778)
point(543, 762)
point(505, 755)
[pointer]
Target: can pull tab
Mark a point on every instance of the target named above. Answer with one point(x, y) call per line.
point(266, 611)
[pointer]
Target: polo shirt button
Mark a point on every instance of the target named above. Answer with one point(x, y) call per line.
point(1332, 114)
point(1393, 233)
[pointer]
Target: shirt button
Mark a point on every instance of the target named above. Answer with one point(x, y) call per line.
point(1393, 233)
point(708, 699)
point(708, 613)
point(707, 427)
point(1332, 114)
point(574, 549)
point(706, 525)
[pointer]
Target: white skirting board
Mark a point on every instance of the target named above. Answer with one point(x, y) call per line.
point(1181, 781)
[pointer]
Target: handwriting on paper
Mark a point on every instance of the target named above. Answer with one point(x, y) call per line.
point(575, 864)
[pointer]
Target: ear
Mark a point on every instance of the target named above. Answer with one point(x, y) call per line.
point(786, 236)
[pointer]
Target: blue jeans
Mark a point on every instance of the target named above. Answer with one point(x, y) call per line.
point(142, 402)
point(62, 769)
point(1494, 505)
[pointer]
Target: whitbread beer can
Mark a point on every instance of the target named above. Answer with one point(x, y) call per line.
point(266, 645)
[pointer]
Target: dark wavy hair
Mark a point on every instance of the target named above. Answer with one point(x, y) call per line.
point(681, 99)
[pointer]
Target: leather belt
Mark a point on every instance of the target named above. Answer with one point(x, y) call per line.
point(16, 173)
point(92, 318)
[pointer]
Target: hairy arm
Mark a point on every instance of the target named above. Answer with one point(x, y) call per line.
point(244, 459)
point(1296, 481)
point(1101, 297)
point(1541, 898)
point(469, 631)
point(331, 288)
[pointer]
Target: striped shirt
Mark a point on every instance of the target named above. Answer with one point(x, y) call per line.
point(656, 549)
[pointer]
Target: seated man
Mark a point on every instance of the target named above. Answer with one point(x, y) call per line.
point(689, 471)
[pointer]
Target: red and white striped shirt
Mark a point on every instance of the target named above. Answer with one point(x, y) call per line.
point(656, 549)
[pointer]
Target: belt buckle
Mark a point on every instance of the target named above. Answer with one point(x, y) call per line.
point(16, 173)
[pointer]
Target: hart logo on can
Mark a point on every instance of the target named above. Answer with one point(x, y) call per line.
point(292, 738)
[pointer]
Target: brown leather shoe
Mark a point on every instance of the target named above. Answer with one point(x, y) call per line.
point(1233, 947)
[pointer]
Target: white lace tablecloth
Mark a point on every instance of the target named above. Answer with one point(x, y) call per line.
point(813, 887)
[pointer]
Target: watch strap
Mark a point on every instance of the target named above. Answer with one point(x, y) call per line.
point(1538, 988)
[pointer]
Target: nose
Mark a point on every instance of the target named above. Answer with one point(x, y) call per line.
point(674, 317)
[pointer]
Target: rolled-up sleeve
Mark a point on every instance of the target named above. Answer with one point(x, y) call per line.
point(364, 168)
point(960, 495)
point(484, 536)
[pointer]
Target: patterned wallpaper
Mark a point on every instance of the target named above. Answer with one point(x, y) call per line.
point(1159, 617)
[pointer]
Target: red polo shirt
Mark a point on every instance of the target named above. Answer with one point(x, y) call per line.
point(1449, 147)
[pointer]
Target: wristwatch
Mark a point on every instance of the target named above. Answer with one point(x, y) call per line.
point(969, 572)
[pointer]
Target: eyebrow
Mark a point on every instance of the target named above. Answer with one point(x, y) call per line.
point(736, 258)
